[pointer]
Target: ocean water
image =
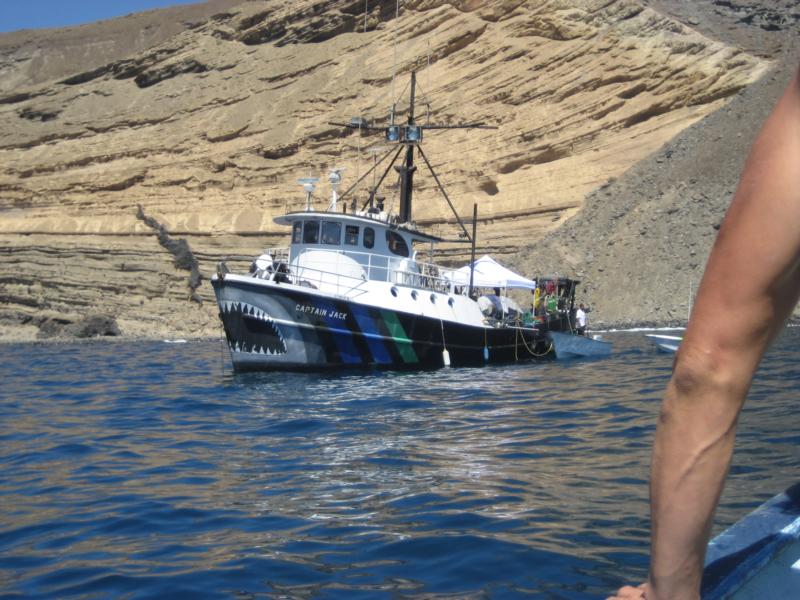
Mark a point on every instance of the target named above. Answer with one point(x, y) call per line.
point(147, 470)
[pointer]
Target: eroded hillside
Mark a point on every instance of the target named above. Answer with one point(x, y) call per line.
point(206, 132)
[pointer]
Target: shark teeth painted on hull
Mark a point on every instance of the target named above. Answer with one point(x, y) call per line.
point(251, 330)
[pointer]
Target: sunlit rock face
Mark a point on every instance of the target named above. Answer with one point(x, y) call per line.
point(206, 116)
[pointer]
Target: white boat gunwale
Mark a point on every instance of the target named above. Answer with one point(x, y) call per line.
point(376, 302)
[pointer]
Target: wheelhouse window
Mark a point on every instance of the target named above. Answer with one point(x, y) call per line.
point(369, 237)
point(331, 233)
point(396, 243)
point(297, 232)
point(351, 235)
point(311, 232)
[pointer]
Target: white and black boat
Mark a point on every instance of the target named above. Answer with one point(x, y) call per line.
point(354, 290)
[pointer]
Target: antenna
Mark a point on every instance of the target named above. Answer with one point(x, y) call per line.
point(309, 184)
point(406, 136)
point(335, 178)
point(374, 151)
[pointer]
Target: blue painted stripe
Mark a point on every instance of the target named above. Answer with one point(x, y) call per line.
point(342, 337)
point(371, 329)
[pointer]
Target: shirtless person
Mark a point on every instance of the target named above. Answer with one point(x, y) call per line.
point(752, 280)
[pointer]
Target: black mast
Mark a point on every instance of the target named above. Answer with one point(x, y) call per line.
point(406, 170)
point(408, 135)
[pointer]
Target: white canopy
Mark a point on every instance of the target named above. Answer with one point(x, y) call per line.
point(491, 274)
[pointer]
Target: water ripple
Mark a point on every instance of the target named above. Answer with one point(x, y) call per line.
point(150, 470)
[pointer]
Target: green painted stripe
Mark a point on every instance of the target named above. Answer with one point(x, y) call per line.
point(399, 336)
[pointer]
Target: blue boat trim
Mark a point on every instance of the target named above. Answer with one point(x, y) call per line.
point(740, 552)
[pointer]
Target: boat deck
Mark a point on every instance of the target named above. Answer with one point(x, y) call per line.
point(758, 557)
point(780, 578)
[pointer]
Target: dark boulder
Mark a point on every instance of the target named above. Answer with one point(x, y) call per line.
point(88, 327)
point(94, 326)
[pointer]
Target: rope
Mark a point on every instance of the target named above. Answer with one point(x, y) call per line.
point(445, 353)
point(524, 343)
point(358, 157)
point(441, 324)
point(533, 353)
point(428, 69)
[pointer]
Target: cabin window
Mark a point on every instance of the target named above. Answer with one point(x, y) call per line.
point(397, 245)
point(369, 237)
point(331, 233)
point(311, 232)
point(297, 232)
point(351, 235)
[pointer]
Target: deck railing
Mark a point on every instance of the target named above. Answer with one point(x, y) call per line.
point(374, 267)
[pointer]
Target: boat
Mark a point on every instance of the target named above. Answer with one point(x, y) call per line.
point(568, 345)
point(665, 343)
point(758, 556)
point(557, 319)
point(357, 288)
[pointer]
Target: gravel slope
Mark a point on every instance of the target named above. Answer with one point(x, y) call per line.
point(641, 242)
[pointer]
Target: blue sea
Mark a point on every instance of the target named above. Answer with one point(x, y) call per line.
point(151, 470)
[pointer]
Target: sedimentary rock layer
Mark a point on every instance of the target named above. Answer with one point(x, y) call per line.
point(208, 125)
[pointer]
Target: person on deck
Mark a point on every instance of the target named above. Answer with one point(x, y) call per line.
point(580, 320)
point(752, 279)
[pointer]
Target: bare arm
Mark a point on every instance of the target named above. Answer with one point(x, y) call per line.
point(750, 286)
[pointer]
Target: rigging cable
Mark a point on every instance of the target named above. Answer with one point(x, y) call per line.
point(394, 64)
point(428, 80)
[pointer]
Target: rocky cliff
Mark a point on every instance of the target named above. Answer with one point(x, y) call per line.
point(138, 152)
point(641, 242)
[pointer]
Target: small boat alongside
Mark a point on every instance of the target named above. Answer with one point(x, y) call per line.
point(569, 345)
point(665, 343)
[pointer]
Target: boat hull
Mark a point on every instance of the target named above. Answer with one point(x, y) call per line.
point(569, 345)
point(288, 327)
point(665, 343)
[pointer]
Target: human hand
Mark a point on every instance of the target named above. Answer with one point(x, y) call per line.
point(629, 592)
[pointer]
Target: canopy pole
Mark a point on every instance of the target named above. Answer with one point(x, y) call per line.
point(472, 262)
